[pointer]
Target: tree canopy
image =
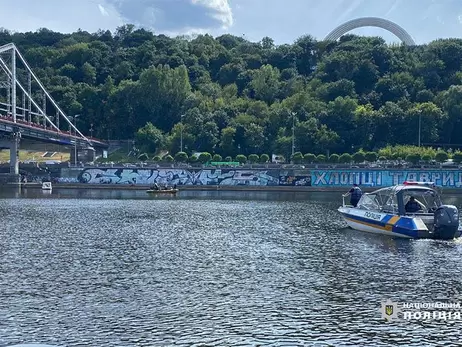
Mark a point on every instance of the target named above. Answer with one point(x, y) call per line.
point(230, 96)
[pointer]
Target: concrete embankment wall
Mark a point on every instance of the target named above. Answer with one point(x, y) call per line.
point(275, 179)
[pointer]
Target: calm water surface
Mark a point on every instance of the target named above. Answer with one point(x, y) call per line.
point(95, 268)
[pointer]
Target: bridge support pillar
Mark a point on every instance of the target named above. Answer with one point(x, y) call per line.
point(14, 154)
point(12, 143)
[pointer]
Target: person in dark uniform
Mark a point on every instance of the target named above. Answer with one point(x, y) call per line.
point(412, 205)
point(355, 194)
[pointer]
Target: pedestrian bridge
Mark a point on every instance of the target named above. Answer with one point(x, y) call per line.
point(29, 114)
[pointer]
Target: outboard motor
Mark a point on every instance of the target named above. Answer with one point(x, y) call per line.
point(446, 219)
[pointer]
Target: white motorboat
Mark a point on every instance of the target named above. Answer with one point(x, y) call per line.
point(46, 186)
point(387, 211)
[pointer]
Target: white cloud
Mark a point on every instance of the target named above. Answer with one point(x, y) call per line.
point(222, 10)
point(103, 11)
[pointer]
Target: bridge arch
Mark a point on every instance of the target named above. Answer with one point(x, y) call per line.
point(390, 26)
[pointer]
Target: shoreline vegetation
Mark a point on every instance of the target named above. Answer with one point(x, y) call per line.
point(226, 96)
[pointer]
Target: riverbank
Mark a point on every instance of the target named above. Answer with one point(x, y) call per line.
point(244, 188)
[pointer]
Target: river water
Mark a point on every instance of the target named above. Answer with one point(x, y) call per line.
point(98, 268)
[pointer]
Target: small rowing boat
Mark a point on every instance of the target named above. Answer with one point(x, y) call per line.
point(162, 191)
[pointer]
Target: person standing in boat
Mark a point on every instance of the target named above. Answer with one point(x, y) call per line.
point(355, 194)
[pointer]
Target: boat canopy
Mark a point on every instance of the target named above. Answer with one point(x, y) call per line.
point(393, 199)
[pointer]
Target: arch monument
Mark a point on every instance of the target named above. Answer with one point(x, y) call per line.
point(392, 27)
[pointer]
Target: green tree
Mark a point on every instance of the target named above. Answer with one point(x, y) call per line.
point(149, 138)
point(265, 83)
point(227, 143)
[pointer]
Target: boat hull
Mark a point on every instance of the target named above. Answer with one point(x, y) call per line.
point(386, 224)
point(46, 186)
point(372, 229)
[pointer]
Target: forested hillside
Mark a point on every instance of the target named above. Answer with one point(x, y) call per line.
point(241, 97)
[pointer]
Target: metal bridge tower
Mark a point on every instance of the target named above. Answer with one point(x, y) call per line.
point(24, 99)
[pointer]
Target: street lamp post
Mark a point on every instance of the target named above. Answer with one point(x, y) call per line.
point(75, 140)
point(420, 125)
point(91, 130)
point(293, 133)
point(181, 134)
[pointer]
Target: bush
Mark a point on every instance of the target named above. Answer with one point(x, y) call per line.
point(441, 156)
point(168, 158)
point(241, 158)
point(457, 157)
point(156, 159)
point(413, 158)
point(253, 158)
point(229, 159)
point(371, 157)
point(401, 151)
point(217, 157)
point(193, 159)
point(321, 158)
point(297, 158)
point(143, 157)
point(334, 158)
point(382, 158)
point(427, 157)
point(359, 157)
point(309, 158)
point(264, 158)
point(205, 157)
point(181, 157)
point(345, 158)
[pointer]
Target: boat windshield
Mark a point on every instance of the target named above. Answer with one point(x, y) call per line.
point(369, 202)
point(386, 199)
point(427, 199)
point(383, 200)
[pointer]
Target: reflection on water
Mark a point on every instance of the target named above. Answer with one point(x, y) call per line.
point(120, 268)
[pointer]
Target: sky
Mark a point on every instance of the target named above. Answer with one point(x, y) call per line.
point(282, 20)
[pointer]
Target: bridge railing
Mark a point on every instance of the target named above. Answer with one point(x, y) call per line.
point(40, 127)
point(13, 69)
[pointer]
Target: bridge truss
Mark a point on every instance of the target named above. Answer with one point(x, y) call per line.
point(24, 99)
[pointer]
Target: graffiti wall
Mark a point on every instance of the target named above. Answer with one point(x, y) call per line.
point(259, 177)
point(225, 177)
point(378, 178)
